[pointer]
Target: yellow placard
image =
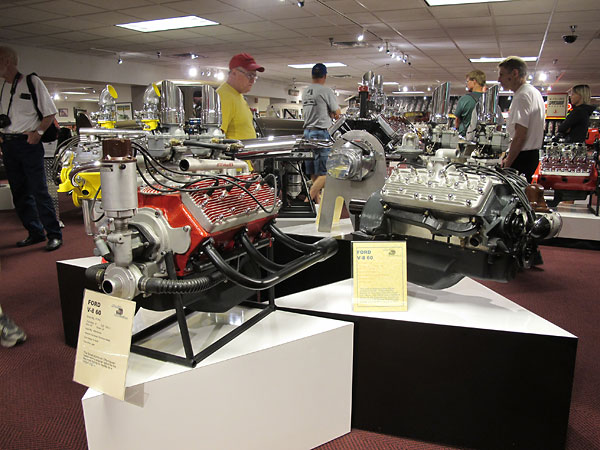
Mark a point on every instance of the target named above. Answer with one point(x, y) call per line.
point(379, 273)
point(104, 343)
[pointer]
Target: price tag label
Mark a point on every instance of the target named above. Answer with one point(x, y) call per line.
point(104, 343)
point(379, 275)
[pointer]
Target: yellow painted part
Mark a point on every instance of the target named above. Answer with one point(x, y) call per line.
point(107, 123)
point(156, 89)
point(150, 124)
point(112, 91)
point(89, 183)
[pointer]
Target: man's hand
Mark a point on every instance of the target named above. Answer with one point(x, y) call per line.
point(33, 137)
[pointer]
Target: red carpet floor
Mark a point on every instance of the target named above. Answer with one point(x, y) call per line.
point(40, 405)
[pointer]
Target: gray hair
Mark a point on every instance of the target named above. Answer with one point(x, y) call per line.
point(10, 54)
point(514, 62)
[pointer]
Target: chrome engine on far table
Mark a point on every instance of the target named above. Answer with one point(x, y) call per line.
point(460, 220)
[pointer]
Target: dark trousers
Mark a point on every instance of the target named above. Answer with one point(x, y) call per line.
point(526, 163)
point(24, 165)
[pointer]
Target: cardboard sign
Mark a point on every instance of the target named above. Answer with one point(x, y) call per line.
point(104, 343)
point(379, 276)
point(557, 106)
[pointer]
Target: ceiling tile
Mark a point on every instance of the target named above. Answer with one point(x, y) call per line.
point(32, 15)
point(520, 7)
point(113, 31)
point(66, 8)
point(474, 11)
point(118, 4)
point(39, 28)
point(75, 36)
point(111, 18)
point(71, 23)
point(152, 12)
point(345, 6)
point(233, 17)
point(378, 5)
point(278, 11)
point(259, 27)
point(522, 19)
point(308, 22)
point(200, 7)
point(403, 15)
point(9, 34)
point(35, 41)
point(466, 22)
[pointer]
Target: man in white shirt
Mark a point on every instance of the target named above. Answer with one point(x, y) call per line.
point(526, 117)
point(21, 131)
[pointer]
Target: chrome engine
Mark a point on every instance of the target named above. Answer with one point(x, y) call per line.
point(460, 220)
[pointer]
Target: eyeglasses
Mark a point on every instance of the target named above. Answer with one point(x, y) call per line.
point(250, 76)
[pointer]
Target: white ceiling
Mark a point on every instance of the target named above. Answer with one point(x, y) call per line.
point(439, 40)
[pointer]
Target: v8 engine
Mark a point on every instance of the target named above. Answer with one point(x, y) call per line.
point(460, 220)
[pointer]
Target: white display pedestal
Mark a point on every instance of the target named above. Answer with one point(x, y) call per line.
point(578, 221)
point(463, 366)
point(308, 227)
point(283, 384)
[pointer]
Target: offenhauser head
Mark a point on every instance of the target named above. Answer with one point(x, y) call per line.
point(242, 72)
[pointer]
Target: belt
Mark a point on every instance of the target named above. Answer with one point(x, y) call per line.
point(13, 136)
point(315, 128)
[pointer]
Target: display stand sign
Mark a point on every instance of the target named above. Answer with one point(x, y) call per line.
point(557, 106)
point(379, 275)
point(104, 343)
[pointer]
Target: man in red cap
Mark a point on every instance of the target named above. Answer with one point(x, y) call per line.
point(237, 117)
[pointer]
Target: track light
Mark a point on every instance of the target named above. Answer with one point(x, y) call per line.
point(119, 61)
point(300, 3)
point(193, 56)
point(361, 35)
point(193, 72)
point(380, 48)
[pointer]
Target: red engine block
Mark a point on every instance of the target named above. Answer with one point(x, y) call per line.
point(577, 174)
point(216, 210)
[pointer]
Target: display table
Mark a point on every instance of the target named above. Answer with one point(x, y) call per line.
point(578, 221)
point(464, 366)
point(284, 384)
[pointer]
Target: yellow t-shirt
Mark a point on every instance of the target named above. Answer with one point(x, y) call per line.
point(237, 117)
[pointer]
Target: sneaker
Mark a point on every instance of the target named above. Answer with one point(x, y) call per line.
point(10, 333)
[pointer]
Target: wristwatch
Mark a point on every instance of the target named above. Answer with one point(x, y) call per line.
point(40, 132)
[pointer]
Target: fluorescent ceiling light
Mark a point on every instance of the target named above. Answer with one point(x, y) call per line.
point(459, 2)
point(173, 23)
point(309, 66)
point(485, 59)
point(492, 82)
point(408, 92)
point(388, 82)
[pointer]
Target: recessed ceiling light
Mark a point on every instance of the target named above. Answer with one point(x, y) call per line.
point(309, 66)
point(485, 59)
point(459, 2)
point(172, 23)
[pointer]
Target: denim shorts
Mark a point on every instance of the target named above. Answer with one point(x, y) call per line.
point(318, 165)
